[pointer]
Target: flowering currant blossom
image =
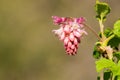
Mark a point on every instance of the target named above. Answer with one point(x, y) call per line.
point(70, 32)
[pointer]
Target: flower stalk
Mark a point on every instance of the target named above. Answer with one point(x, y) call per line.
point(87, 26)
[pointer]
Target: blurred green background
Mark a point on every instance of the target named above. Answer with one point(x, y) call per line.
point(30, 51)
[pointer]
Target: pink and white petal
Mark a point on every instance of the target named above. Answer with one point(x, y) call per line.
point(77, 34)
point(66, 40)
point(73, 47)
point(75, 41)
point(69, 44)
point(62, 37)
point(71, 37)
point(57, 20)
point(67, 29)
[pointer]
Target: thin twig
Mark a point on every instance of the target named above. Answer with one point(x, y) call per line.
point(92, 31)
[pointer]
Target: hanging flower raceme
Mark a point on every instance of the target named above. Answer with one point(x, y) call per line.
point(70, 32)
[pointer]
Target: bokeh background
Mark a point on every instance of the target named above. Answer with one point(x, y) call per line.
point(30, 51)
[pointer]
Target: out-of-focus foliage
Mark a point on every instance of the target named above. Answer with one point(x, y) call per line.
point(30, 51)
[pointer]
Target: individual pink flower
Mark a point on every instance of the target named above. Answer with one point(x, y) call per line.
point(70, 32)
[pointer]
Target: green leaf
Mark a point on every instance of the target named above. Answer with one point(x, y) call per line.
point(104, 63)
point(102, 9)
point(119, 60)
point(114, 42)
point(117, 54)
point(117, 78)
point(96, 53)
point(108, 32)
point(118, 73)
point(98, 77)
point(107, 75)
point(116, 69)
point(117, 28)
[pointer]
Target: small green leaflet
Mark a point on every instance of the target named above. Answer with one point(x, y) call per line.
point(102, 9)
point(117, 28)
point(117, 55)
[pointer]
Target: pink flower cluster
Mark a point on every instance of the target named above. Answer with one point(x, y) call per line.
point(70, 32)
